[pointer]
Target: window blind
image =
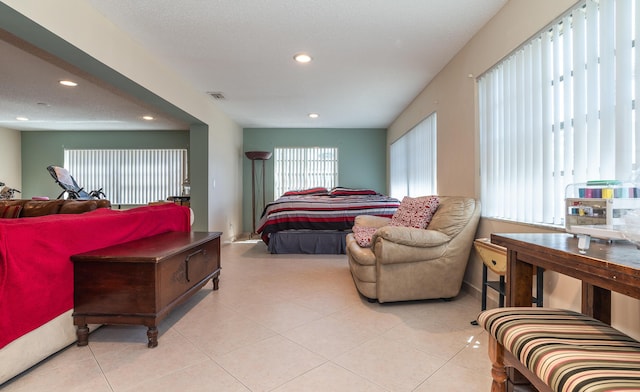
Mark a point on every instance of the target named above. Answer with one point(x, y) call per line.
point(129, 176)
point(413, 161)
point(297, 168)
point(560, 110)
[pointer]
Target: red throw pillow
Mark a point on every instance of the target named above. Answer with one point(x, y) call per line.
point(10, 212)
point(363, 235)
point(339, 191)
point(415, 212)
point(310, 191)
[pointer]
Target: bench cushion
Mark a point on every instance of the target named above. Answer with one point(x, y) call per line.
point(568, 351)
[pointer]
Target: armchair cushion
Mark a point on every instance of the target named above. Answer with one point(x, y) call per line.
point(415, 211)
point(410, 236)
point(371, 221)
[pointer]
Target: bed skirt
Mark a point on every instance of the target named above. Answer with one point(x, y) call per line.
point(308, 242)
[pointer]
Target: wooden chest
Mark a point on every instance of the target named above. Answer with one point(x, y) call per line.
point(141, 281)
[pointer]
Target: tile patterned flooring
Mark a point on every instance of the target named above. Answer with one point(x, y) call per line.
point(280, 323)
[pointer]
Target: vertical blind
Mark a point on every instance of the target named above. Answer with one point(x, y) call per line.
point(136, 176)
point(297, 168)
point(413, 161)
point(560, 110)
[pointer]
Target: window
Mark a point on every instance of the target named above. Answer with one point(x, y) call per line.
point(413, 161)
point(129, 176)
point(560, 110)
point(303, 168)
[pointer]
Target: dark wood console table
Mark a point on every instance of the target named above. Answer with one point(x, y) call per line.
point(605, 267)
point(141, 281)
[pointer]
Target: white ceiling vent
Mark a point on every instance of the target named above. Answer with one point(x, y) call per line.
point(216, 95)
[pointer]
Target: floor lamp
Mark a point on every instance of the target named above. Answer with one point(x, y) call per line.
point(256, 156)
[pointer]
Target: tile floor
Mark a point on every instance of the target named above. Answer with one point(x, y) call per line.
point(280, 323)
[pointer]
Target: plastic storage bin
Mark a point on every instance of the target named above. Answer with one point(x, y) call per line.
point(600, 203)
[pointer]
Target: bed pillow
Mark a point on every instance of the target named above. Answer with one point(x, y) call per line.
point(340, 191)
point(363, 235)
point(415, 211)
point(10, 212)
point(310, 191)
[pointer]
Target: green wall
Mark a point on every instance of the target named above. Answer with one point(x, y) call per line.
point(43, 148)
point(361, 153)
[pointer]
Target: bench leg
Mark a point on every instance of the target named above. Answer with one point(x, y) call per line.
point(498, 371)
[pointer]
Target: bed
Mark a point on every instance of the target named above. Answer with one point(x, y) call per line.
point(317, 220)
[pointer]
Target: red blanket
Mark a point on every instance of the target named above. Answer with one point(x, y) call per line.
point(36, 274)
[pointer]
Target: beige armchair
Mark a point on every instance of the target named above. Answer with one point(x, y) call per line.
point(405, 263)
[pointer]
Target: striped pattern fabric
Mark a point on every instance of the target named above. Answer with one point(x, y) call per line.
point(312, 212)
point(568, 351)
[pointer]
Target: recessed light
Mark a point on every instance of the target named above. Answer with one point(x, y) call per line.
point(148, 118)
point(68, 83)
point(314, 115)
point(21, 118)
point(302, 58)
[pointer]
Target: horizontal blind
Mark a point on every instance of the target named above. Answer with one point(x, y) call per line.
point(560, 110)
point(129, 176)
point(297, 168)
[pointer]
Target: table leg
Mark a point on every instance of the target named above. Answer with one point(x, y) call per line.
point(484, 287)
point(539, 287)
point(152, 334)
point(596, 302)
point(82, 333)
point(519, 281)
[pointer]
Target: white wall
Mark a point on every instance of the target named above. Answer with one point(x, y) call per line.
point(79, 24)
point(452, 94)
point(10, 158)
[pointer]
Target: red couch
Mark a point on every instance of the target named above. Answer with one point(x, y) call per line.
point(36, 274)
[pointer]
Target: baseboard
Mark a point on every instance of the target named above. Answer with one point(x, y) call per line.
point(492, 296)
point(471, 290)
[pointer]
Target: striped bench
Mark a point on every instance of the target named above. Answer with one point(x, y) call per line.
point(560, 350)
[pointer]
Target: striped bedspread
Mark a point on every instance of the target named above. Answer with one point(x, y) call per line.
point(321, 212)
point(568, 351)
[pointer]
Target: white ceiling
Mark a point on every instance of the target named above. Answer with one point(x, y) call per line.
point(371, 59)
point(29, 79)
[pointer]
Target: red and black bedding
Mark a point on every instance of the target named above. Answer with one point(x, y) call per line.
point(322, 210)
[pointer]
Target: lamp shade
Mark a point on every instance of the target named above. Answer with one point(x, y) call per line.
point(258, 155)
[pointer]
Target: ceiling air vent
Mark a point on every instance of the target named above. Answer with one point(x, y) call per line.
point(216, 95)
